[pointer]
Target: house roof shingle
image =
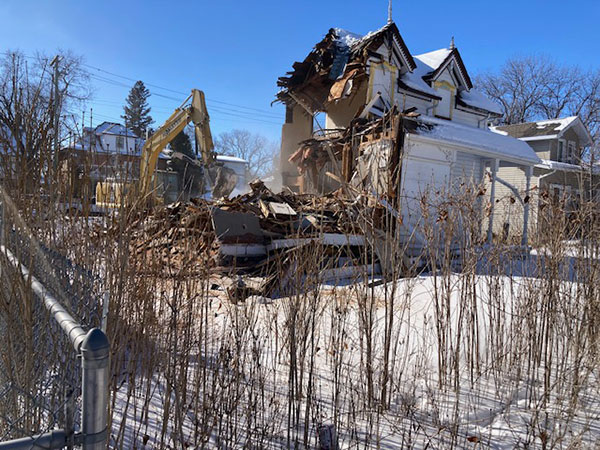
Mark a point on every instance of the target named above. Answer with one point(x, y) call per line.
point(546, 129)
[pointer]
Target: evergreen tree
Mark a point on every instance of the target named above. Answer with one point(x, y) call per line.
point(182, 144)
point(137, 112)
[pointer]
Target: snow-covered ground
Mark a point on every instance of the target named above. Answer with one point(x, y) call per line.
point(469, 366)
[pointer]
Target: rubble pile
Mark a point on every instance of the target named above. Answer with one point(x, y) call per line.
point(260, 233)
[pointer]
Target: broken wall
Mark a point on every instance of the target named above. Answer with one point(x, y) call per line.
point(298, 126)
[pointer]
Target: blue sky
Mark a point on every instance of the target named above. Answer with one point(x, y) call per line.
point(235, 50)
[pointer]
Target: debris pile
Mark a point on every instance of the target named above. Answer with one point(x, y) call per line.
point(261, 234)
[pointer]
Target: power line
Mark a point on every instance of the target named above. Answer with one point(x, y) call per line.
point(164, 108)
point(244, 112)
point(169, 90)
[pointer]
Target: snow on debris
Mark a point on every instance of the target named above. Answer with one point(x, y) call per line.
point(227, 158)
point(346, 38)
point(480, 140)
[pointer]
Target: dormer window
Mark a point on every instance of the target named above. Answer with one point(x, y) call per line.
point(444, 106)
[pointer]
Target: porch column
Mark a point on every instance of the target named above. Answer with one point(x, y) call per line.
point(528, 173)
point(495, 165)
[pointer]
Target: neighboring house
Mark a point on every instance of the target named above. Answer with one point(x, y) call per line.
point(351, 79)
point(560, 176)
point(109, 151)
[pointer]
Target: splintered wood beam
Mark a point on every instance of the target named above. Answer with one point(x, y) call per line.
point(347, 162)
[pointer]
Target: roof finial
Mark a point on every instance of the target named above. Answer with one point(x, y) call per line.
point(389, 12)
point(452, 46)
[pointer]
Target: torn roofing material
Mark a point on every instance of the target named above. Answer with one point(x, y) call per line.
point(546, 129)
point(338, 46)
point(476, 140)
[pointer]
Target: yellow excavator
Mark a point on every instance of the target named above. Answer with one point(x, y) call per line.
point(222, 180)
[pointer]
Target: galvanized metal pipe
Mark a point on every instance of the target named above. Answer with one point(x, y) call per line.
point(69, 325)
point(94, 410)
point(53, 439)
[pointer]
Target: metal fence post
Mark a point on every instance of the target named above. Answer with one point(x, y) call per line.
point(94, 390)
point(69, 416)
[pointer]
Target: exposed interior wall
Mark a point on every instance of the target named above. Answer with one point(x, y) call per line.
point(339, 114)
point(298, 127)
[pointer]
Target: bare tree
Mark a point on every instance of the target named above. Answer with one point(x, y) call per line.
point(254, 148)
point(28, 105)
point(536, 87)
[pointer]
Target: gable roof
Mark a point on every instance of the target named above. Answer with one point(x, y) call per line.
point(547, 129)
point(438, 60)
point(115, 129)
point(430, 65)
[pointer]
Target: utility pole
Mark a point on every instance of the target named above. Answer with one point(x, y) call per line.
point(56, 104)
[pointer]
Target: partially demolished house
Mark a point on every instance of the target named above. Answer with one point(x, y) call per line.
point(363, 114)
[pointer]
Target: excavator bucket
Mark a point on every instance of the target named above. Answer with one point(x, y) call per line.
point(223, 180)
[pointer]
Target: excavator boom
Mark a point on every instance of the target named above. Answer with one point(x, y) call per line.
point(195, 112)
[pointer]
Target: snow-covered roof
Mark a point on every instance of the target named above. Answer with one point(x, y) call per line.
point(566, 167)
point(414, 80)
point(115, 129)
point(94, 139)
point(435, 58)
point(479, 100)
point(480, 141)
point(547, 129)
point(427, 64)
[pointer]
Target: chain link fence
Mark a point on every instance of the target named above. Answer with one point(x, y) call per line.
point(46, 303)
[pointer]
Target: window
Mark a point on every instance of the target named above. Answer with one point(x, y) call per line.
point(561, 150)
point(571, 153)
point(120, 142)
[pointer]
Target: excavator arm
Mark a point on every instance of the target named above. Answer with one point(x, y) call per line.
point(190, 111)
